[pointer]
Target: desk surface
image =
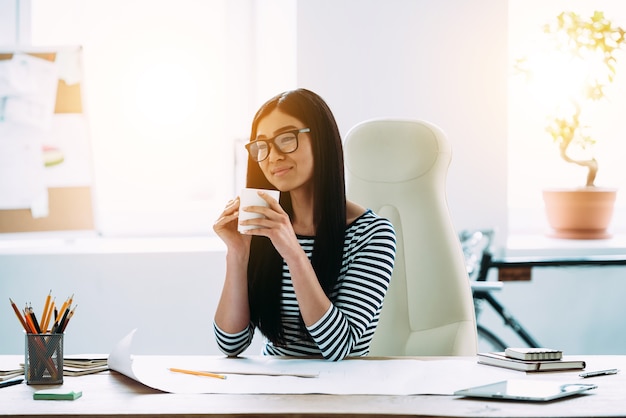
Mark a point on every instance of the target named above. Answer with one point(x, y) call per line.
point(110, 394)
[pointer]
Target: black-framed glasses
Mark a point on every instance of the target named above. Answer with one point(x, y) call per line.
point(285, 142)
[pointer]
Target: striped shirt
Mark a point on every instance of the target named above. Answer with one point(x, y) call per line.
point(348, 326)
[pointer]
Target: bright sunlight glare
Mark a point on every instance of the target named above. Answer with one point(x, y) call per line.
point(552, 75)
point(165, 94)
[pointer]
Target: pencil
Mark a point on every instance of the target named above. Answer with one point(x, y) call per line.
point(61, 310)
point(19, 315)
point(29, 321)
point(49, 315)
point(58, 326)
point(33, 318)
point(197, 373)
point(59, 316)
point(70, 300)
point(44, 314)
point(31, 312)
point(69, 316)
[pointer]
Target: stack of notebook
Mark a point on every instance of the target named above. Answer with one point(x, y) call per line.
point(72, 366)
point(531, 360)
point(10, 373)
point(81, 365)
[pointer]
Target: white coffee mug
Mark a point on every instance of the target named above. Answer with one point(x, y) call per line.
point(250, 197)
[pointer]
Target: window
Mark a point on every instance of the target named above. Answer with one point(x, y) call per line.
point(153, 96)
point(533, 160)
point(170, 89)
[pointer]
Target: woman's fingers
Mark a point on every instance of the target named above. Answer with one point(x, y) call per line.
point(274, 204)
point(229, 214)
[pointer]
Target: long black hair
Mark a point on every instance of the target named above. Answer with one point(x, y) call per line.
point(329, 210)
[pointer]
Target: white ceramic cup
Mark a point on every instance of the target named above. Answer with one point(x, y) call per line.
point(250, 197)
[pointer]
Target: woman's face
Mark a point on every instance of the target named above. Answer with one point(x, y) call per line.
point(287, 172)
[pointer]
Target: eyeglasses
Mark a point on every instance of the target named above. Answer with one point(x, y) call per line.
point(286, 142)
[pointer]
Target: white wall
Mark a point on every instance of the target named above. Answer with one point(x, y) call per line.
point(8, 26)
point(168, 294)
point(442, 61)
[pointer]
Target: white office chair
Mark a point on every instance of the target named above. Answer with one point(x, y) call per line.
point(398, 169)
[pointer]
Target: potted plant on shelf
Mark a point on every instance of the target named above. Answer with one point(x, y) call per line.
point(590, 45)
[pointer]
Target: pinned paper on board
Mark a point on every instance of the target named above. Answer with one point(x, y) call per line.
point(45, 155)
point(22, 181)
point(28, 89)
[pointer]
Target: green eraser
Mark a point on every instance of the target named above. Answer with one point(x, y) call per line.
point(57, 394)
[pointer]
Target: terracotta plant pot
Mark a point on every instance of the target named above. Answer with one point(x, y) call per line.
point(583, 213)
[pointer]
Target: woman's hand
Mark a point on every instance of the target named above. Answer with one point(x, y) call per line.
point(226, 227)
point(276, 225)
point(233, 313)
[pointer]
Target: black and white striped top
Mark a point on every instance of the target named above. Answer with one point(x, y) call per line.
point(348, 326)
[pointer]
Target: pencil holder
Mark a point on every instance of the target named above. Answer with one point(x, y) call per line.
point(43, 359)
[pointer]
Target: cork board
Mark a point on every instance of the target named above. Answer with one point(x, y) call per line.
point(71, 207)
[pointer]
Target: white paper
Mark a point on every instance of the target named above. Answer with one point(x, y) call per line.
point(22, 184)
point(40, 207)
point(120, 358)
point(68, 140)
point(28, 88)
point(408, 376)
point(69, 66)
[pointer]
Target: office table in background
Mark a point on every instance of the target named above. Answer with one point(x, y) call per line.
point(517, 268)
point(110, 394)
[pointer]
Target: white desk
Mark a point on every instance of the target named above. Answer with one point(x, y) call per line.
point(110, 394)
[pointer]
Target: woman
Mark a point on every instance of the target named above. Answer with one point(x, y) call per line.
point(314, 276)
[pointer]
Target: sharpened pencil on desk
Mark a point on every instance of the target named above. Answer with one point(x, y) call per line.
point(197, 373)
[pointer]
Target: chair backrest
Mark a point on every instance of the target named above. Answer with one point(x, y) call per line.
point(398, 169)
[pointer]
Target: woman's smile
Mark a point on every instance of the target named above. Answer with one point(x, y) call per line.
point(280, 171)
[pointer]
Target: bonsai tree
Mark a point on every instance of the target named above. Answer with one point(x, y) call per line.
point(594, 43)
